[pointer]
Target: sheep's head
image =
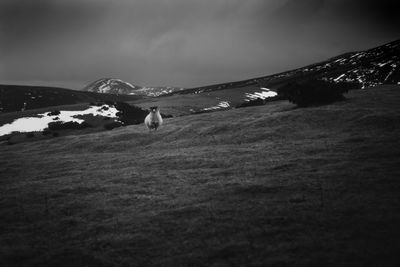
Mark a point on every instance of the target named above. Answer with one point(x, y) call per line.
point(153, 109)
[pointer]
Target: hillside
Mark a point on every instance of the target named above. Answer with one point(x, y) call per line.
point(155, 91)
point(21, 97)
point(258, 186)
point(376, 66)
point(363, 69)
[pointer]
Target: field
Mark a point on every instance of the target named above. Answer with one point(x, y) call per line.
point(258, 186)
point(19, 97)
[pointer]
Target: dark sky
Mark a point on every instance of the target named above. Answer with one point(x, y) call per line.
point(187, 43)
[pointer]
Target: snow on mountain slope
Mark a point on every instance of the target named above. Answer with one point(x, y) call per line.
point(265, 93)
point(158, 90)
point(112, 86)
point(119, 87)
point(376, 66)
point(220, 105)
point(368, 68)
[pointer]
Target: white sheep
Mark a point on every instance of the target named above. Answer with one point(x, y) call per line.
point(153, 120)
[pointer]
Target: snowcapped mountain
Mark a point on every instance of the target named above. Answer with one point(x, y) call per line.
point(112, 86)
point(119, 87)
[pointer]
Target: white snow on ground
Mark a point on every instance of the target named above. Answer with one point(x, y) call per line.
point(157, 91)
point(340, 61)
point(389, 74)
point(266, 93)
point(222, 104)
point(366, 77)
point(383, 64)
point(358, 55)
point(129, 84)
point(35, 124)
point(338, 78)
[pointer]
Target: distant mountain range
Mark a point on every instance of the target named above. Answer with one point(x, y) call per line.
point(376, 66)
point(380, 65)
point(119, 87)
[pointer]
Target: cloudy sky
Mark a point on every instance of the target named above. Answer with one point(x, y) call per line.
point(186, 43)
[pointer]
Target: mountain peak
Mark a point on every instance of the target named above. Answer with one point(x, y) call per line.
point(120, 87)
point(112, 86)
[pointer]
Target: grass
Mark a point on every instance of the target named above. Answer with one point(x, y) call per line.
point(16, 97)
point(258, 186)
point(185, 104)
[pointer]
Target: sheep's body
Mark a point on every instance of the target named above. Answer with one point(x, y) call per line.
point(153, 120)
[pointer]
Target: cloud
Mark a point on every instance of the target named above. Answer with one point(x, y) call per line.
point(180, 42)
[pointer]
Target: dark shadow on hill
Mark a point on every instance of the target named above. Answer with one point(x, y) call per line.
point(19, 97)
point(315, 92)
point(259, 101)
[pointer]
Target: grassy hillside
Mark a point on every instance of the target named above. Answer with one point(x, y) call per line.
point(185, 104)
point(266, 185)
point(21, 97)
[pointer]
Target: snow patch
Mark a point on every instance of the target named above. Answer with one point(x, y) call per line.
point(222, 104)
point(265, 93)
point(337, 79)
point(36, 124)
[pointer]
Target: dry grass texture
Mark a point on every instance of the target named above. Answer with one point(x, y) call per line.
point(267, 185)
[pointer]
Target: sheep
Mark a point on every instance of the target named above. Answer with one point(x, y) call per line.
point(153, 120)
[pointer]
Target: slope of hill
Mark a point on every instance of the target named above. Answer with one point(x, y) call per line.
point(20, 97)
point(270, 185)
point(119, 87)
point(45, 123)
point(380, 65)
point(158, 90)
